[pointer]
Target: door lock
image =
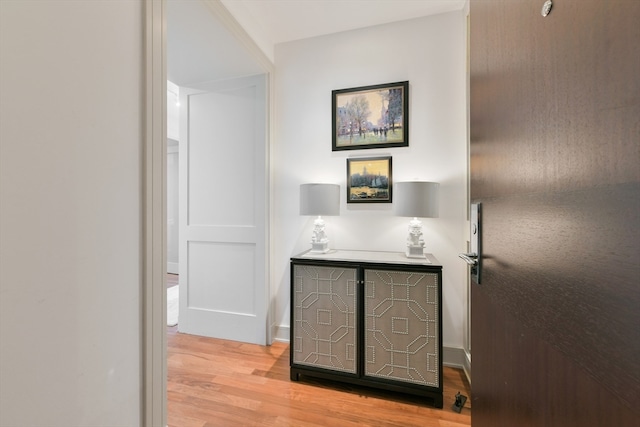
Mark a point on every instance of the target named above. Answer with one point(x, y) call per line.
point(474, 257)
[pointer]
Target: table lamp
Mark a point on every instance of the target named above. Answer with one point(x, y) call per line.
point(417, 199)
point(319, 199)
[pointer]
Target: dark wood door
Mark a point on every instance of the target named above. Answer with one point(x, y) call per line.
point(555, 161)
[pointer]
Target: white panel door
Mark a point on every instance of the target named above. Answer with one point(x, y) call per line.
point(223, 210)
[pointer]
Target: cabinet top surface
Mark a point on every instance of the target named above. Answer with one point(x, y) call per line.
point(369, 256)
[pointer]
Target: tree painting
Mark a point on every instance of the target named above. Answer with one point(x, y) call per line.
point(369, 117)
point(395, 107)
point(358, 113)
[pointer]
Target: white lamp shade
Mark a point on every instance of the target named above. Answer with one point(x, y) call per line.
point(417, 199)
point(319, 199)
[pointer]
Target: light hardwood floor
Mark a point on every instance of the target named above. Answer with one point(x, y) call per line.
point(225, 383)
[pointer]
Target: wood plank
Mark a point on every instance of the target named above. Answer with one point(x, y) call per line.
point(215, 382)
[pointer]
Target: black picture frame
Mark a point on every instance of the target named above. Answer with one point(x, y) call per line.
point(374, 116)
point(369, 180)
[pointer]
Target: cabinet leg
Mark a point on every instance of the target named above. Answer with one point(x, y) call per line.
point(437, 402)
point(294, 375)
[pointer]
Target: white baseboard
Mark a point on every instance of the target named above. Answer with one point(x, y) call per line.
point(173, 268)
point(280, 333)
point(467, 365)
point(453, 357)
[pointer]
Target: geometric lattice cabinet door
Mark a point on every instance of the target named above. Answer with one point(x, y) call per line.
point(324, 315)
point(401, 326)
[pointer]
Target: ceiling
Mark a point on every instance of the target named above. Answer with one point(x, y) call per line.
point(286, 20)
point(200, 48)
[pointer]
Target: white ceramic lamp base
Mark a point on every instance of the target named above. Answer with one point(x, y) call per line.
point(319, 247)
point(415, 243)
point(319, 239)
point(415, 251)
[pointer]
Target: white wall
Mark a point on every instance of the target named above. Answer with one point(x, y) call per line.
point(430, 53)
point(173, 136)
point(70, 203)
point(173, 111)
point(173, 162)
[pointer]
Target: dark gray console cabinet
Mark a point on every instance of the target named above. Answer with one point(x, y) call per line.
point(368, 318)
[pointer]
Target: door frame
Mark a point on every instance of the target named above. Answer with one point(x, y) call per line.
point(154, 231)
point(154, 234)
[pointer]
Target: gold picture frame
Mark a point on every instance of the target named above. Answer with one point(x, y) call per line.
point(369, 180)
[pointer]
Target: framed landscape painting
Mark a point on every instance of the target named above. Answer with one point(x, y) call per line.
point(369, 180)
point(370, 117)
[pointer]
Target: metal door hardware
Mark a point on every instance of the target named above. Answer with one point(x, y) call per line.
point(471, 259)
point(474, 257)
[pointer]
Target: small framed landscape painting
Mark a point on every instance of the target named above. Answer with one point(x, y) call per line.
point(369, 180)
point(370, 117)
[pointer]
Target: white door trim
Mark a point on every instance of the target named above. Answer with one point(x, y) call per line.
point(223, 14)
point(154, 297)
point(154, 342)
